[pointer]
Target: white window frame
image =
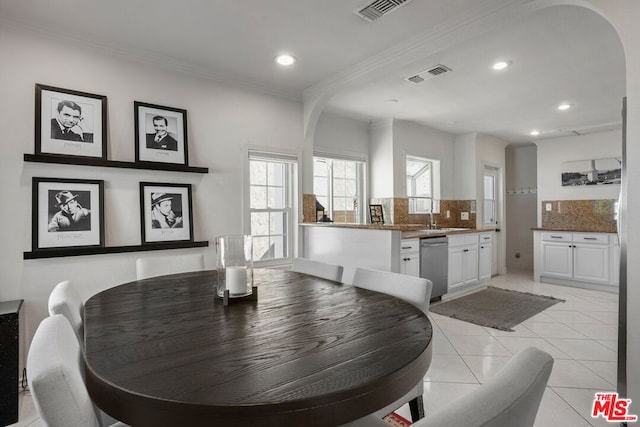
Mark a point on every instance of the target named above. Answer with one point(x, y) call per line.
point(291, 200)
point(361, 173)
point(434, 197)
point(494, 173)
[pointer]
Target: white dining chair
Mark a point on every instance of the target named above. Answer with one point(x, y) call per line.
point(65, 300)
point(55, 375)
point(414, 290)
point(159, 266)
point(318, 269)
point(510, 398)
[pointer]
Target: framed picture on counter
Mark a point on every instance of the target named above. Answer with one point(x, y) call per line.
point(166, 214)
point(70, 123)
point(160, 134)
point(376, 214)
point(67, 213)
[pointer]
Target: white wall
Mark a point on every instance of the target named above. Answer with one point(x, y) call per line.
point(381, 159)
point(520, 173)
point(553, 152)
point(341, 135)
point(222, 120)
point(418, 140)
point(465, 168)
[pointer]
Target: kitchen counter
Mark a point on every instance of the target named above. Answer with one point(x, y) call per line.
point(575, 230)
point(419, 234)
point(398, 227)
point(408, 231)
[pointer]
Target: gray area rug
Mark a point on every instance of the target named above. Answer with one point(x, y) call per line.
point(494, 307)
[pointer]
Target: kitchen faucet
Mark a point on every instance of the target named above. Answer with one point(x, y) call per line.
point(432, 225)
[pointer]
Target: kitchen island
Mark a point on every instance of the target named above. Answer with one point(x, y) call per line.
point(367, 245)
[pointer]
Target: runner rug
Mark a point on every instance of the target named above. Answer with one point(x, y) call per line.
point(494, 307)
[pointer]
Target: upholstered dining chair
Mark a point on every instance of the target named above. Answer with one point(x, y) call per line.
point(318, 269)
point(414, 290)
point(510, 398)
point(55, 367)
point(158, 266)
point(65, 300)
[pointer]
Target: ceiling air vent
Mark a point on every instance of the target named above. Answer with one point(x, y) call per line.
point(373, 11)
point(427, 74)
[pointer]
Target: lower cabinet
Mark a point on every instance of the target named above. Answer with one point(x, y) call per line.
point(463, 260)
point(584, 257)
point(410, 257)
point(485, 256)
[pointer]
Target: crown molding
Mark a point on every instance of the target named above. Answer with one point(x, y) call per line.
point(164, 62)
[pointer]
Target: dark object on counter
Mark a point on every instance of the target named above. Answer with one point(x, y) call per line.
point(325, 218)
point(319, 211)
point(376, 214)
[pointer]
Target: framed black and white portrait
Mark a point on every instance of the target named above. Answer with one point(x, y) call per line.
point(376, 214)
point(67, 213)
point(166, 214)
point(161, 134)
point(70, 123)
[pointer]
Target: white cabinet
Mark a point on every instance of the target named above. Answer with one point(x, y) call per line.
point(485, 254)
point(463, 260)
point(410, 257)
point(576, 256)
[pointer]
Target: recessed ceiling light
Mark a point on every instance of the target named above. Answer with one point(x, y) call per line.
point(535, 133)
point(285, 59)
point(564, 106)
point(501, 65)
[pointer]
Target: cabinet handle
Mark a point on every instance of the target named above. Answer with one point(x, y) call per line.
point(487, 238)
point(481, 247)
point(406, 247)
point(466, 250)
point(556, 237)
point(590, 238)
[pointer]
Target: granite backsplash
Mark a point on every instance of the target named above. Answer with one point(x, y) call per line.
point(594, 215)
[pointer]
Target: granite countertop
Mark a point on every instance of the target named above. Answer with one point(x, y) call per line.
point(418, 234)
point(409, 231)
point(399, 227)
point(576, 229)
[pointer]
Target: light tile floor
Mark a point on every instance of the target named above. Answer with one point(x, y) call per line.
point(580, 334)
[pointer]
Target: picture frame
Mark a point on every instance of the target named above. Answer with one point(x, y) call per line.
point(70, 123)
point(67, 213)
point(160, 134)
point(166, 213)
point(376, 214)
point(592, 172)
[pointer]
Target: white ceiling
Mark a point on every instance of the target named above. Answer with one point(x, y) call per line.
point(559, 55)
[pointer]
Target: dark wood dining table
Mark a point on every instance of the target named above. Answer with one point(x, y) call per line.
point(309, 352)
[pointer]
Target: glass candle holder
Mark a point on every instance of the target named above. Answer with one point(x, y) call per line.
point(235, 265)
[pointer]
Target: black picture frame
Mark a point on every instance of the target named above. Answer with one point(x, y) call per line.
point(70, 123)
point(173, 147)
point(376, 214)
point(159, 224)
point(67, 213)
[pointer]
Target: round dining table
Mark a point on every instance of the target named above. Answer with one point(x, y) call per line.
point(165, 351)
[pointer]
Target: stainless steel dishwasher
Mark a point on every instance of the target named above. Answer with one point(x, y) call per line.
point(434, 264)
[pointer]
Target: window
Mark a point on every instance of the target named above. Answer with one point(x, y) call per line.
point(422, 180)
point(338, 186)
point(272, 180)
point(489, 205)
